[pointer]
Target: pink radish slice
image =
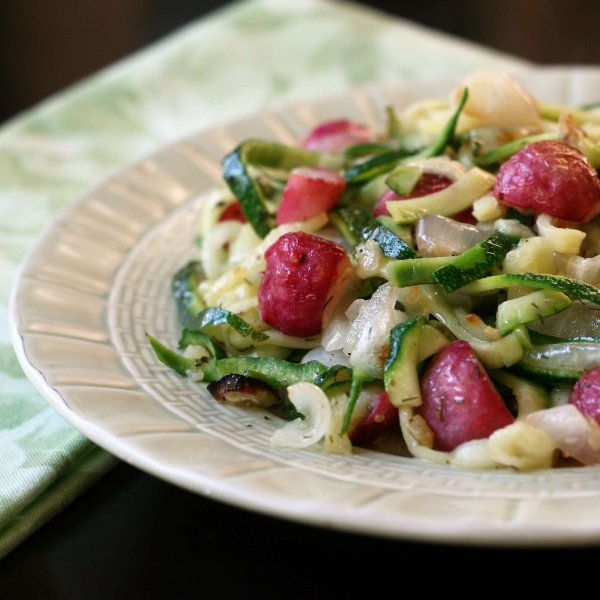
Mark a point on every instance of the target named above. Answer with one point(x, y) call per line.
point(381, 415)
point(306, 276)
point(586, 394)
point(309, 191)
point(460, 403)
point(336, 136)
point(552, 178)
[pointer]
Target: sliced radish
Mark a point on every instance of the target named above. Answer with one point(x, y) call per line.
point(460, 403)
point(309, 191)
point(552, 178)
point(233, 212)
point(586, 394)
point(335, 136)
point(305, 278)
point(381, 414)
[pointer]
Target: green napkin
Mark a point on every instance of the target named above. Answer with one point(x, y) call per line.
point(249, 56)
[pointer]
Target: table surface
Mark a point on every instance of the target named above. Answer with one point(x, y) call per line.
point(132, 535)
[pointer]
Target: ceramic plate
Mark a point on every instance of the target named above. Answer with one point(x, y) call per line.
point(99, 280)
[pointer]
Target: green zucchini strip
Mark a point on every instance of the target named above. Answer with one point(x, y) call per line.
point(513, 213)
point(368, 149)
point(274, 371)
point(559, 283)
point(332, 377)
point(543, 339)
point(534, 306)
point(400, 370)
point(185, 291)
point(172, 359)
point(475, 262)
point(553, 111)
point(358, 226)
point(270, 155)
point(358, 378)
point(415, 271)
point(214, 316)
point(197, 338)
point(447, 133)
point(559, 363)
point(504, 152)
point(403, 179)
point(378, 165)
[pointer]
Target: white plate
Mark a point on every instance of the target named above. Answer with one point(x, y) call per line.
point(99, 279)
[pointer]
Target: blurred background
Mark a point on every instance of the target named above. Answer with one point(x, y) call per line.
point(45, 46)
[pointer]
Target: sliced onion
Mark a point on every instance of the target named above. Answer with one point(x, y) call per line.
point(440, 236)
point(439, 165)
point(329, 359)
point(573, 358)
point(373, 342)
point(576, 267)
point(582, 319)
point(382, 300)
point(334, 335)
point(311, 401)
point(574, 434)
point(495, 98)
point(288, 341)
point(335, 331)
point(513, 227)
point(371, 262)
point(213, 252)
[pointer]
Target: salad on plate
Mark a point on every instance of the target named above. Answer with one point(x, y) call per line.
point(430, 289)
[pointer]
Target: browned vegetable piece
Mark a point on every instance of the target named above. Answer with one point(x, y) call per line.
point(243, 390)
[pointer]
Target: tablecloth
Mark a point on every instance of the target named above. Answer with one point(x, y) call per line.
point(248, 56)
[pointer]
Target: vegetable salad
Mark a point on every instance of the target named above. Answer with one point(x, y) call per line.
point(432, 288)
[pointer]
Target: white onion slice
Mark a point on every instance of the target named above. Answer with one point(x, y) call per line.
point(582, 319)
point(440, 236)
point(373, 342)
point(513, 227)
point(439, 165)
point(334, 335)
point(327, 358)
point(577, 267)
point(371, 262)
point(495, 98)
point(311, 401)
point(366, 309)
point(573, 433)
point(213, 253)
